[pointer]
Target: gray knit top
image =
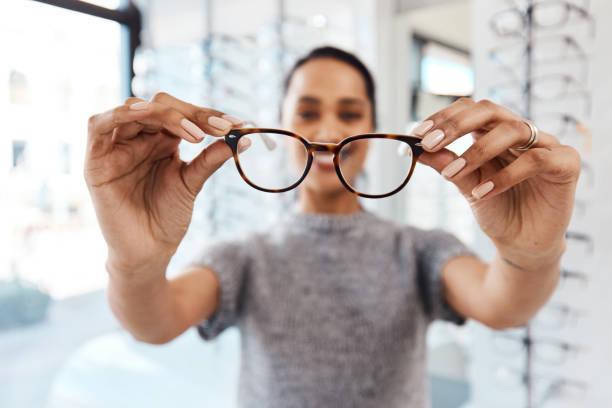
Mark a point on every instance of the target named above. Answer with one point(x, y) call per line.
point(332, 310)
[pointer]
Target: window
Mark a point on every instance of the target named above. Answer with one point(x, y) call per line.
point(57, 68)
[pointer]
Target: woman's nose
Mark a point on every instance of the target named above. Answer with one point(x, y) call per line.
point(328, 133)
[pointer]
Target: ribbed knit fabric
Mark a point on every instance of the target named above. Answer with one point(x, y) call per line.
point(332, 310)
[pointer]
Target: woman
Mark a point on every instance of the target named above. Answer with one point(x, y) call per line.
point(333, 302)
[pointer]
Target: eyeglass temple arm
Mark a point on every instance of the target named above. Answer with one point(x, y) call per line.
point(270, 144)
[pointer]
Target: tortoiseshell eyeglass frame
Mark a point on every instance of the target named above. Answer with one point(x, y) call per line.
point(234, 136)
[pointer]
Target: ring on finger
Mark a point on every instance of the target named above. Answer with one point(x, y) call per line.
point(533, 138)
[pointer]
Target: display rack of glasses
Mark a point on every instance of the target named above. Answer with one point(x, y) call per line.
point(537, 63)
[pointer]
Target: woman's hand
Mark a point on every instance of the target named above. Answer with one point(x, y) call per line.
point(143, 193)
point(522, 200)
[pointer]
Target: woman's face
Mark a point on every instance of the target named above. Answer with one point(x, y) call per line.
point(326, 102)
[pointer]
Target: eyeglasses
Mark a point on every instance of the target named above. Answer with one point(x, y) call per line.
point(548, 49)
point(556, 316)
point(564, 126)
point(576, 238)
point(547, 388)
point(279, 160)
point(550, 351)
point(577, 277)
point(541, 88)
point(544, 14)
point(551, 50)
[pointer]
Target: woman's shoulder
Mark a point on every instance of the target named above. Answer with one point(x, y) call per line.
point(420, 236)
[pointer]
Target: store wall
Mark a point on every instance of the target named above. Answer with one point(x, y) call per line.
point(588, 337)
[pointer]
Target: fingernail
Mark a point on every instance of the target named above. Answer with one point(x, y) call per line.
point(139, 105)
point(192, 129)
point(243, 144)
point(432, 139)
point(219, 123)
point(453, 167)
point(483, 190)
point(233, 120)
point(423, 127)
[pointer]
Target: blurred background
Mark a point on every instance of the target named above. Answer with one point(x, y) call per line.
point(64, 60)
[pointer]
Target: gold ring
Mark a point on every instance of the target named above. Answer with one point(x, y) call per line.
point(533, 138)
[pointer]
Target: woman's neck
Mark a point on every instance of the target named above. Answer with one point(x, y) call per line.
point(340, 203)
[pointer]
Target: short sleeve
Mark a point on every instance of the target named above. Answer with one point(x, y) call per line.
point(229, 261)
point(434, 249)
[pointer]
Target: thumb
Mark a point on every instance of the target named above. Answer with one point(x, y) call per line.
point(198, 170)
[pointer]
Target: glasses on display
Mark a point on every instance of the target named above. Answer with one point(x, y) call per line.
point(547, 389)
point(549, 351)
point(542, 88)
point(567, 127)
point(548, 49)
point(545, 63)
point(547, 52)
point(582, 239)
point(557, 316)
point(279, 160)
point(573, 277)
point(580, 207)
point(548, 14)
point(587, 175)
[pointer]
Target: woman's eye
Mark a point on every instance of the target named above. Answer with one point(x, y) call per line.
point(308, 115)
point(350, 116)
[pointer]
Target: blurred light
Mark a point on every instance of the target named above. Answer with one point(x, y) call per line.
point(446, 71)
point(443, 77)
point(319, 21)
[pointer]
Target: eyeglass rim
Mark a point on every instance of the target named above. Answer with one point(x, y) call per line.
point(234, 135)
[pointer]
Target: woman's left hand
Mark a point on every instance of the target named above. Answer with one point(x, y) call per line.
point(522, 200)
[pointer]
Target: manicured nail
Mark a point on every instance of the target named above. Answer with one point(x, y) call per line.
point(453, 167)
point(139, 105)
point(233, 120)
point(432, 139)
point(483, 190)
point(423, 127)
point(243, 144)
point(192, 129)
point(219, 123)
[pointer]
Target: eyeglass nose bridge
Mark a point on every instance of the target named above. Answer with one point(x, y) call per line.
point(324, 147)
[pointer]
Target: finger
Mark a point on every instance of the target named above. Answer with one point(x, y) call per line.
point(104, 123)
point(440, 160)
point(106, 128)
point(559, 165)
point(164, 117)
point(485, 148)
point(483, 115)
point(197, 171)
point(428, 124)
point(212, 121)
point(479, 116)
point(101, 127)
point(132, 100)
point(506, 156)
point(127, 131)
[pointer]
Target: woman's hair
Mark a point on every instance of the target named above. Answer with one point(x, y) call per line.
point(343, 56)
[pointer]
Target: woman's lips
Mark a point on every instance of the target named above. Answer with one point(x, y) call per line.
point(323, 161)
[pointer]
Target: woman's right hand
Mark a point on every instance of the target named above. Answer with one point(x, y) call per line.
point(142, 192)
